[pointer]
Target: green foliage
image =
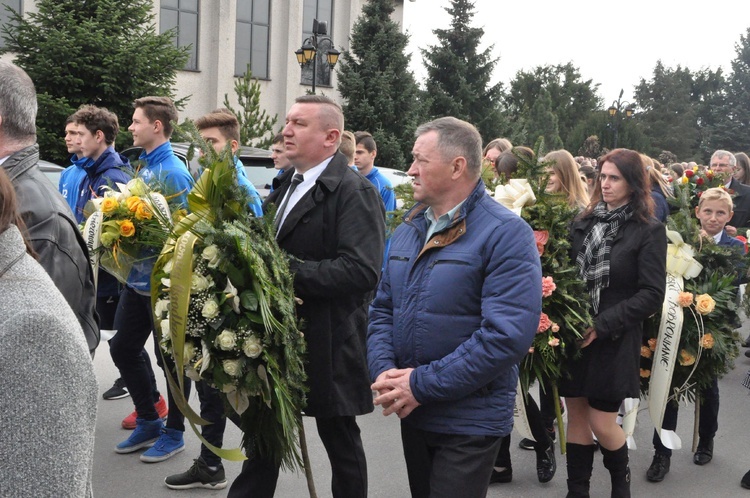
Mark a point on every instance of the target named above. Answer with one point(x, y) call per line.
point(254, 122)
point(104, 53)
point(459, 75)
point(598, 123)
point(380, 91)
point(571, 100)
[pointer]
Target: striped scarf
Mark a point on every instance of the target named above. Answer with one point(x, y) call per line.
point(593, 259)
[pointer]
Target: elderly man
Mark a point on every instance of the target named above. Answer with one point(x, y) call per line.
point(331, 220)
point(456, 310)
point(50, 225)
point(724, 164)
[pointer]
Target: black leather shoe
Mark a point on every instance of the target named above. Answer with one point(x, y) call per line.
point(546, 465)
point(705, 452)
point(505, 475)
point(746, 480)
point(659, 468)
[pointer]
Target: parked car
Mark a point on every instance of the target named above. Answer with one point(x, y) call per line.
point(51, 171)
point(396, 176)
point(257, 162)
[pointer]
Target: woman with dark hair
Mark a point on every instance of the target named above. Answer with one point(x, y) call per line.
point(742, 170)
point(507, 162)
point(48, 441)
point(620, 251)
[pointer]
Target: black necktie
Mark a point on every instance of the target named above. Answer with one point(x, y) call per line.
point(296, 180)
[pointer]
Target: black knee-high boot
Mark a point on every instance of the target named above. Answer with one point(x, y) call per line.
point(580, 462)
point(617, 464)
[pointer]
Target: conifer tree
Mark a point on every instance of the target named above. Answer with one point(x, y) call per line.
point(254, 122)
point(105, 53)
point(381, 94)
point(458, 74)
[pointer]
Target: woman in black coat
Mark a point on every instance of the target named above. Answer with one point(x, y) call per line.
point(620, 250)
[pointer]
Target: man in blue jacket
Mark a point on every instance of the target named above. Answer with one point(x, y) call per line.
point(72, 176)
point(455, 312)
point(101, 166)
point(151, 129)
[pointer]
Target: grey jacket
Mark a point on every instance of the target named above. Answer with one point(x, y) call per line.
point(55, 237)
point(48, 392)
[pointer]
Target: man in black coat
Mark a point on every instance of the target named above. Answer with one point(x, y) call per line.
point(331, 221)
point(50, 226)
point(724, 165)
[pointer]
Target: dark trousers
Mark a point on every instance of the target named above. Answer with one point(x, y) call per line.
point(134, 323)
point(547, 406)
point(343, 443)
point(707, 425)
point(448, 465)
point(538, 430)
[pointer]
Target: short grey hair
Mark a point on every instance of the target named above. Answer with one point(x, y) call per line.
point(456, 138)
point(722, 153)
point(18, 104)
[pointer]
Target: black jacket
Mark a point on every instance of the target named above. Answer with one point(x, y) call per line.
point(336, 234)
point(609, 367)
point(55, 237)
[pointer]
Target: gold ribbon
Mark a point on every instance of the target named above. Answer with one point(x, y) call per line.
point(516, 194)
point(680, 259)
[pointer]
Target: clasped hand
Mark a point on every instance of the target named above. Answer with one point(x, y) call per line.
point(394, 392)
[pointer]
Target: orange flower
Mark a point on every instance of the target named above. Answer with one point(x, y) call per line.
point(645, 373)
point(686, 359)
point(652, 344)
point(126, 228)
point(646, 352)
point(541, 236)
point(133, 202)
point(548, 286)
point(704, 304)
point(685, 299)
point(708, 341)
point(143, 212)
point(109, 205)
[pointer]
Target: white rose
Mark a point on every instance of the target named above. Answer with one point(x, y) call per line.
point(165, 328)
point(199, 283)
point(226, 340)
point(168, 267)
point(161, 308)
point(232, 367)
point(166, 282)
point(252, 347)
point(210, 309)
point(212, 255)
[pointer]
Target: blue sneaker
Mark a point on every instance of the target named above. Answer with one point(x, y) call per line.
point(170, 443)
point(145, 434)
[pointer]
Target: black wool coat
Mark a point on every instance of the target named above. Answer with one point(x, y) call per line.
point(609, 368)
point(335, 235)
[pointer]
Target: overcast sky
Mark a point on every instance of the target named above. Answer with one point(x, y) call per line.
point(612, 43)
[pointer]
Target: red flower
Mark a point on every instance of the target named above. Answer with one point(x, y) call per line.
point(689, 173)
point(699, 194)
point(699, 181)
point(710, 175)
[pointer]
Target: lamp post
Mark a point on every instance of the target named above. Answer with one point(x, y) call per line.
point(310, 47)
point(615, 111)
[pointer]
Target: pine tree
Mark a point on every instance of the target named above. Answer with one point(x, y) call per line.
point(381, 94)
point(105, 53)
point(542, 122)
point(254, 122)
point(458, 75)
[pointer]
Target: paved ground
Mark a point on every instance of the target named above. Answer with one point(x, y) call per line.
point(125, 475)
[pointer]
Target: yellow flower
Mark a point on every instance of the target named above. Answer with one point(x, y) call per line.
point(704, 304)
point(686, 359)
point(708, 341)
point(646, 352)
point(143, 212)
point(133, 202)
point(126, 228)
point(695, 168)
point(684, 180)
point(685, 299)
point(109, 205)
point(178, 215)
point(645, 373)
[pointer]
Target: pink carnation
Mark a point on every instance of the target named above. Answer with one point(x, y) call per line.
point(548, 286)
point(554, 342)
point(555, 328)
point(544, 323)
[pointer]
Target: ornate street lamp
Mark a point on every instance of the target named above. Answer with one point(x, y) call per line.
point(310, 47)
point(615, 110)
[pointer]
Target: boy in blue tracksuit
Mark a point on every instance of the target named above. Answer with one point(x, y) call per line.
point(714, 211)
point(151, 129)
point(71, 177)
